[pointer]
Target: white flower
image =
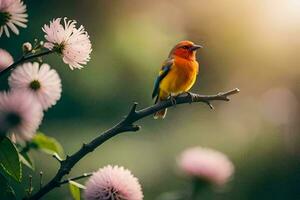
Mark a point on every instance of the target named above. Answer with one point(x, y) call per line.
point(5, 59)
point(12, 14)
point(27, 47)
point(20, 114)
point(113, 183)
point(73, 43)
point(41, 81)
point(206, 164)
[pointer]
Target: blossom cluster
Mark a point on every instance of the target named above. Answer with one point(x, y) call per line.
point(35, 87)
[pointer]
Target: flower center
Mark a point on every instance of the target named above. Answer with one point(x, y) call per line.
point(4, 17)
point(115, 195)
point(59, 48)
point(35, 85)
point(13, 119)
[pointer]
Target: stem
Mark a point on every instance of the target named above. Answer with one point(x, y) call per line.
point(30, 189)
point(194, 192)
point(41, 179)
point(196, 187)
point(85, 175)
point(125, 125)
point(26, 148)
point(23, 59)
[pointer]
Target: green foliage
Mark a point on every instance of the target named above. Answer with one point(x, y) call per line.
point(26, 160)
point(176, 195)
point(47, 144)
point(6, 191)
point(75, 189)
point(9, 159)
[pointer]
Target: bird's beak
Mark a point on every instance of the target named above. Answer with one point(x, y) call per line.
point(195, 47)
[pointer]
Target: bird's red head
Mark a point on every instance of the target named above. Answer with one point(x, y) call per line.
point(185, 49)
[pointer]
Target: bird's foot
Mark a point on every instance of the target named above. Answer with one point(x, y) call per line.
point(192, 96)
point(173, 100)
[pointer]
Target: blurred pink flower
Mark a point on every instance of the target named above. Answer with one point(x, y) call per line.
point(5, 59)
point(12, 14)
point(43, 82)
point(20, 114)
point(73, 43)
point(113, 182)
point(206, 164)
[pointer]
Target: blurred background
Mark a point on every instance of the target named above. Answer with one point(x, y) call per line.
point(252, 44)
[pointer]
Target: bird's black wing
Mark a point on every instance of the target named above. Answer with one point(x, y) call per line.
point(162, 74)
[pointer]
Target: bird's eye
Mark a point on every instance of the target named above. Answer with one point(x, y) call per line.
point(185, 47)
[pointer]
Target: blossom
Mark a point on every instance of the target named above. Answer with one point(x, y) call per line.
point(20, 114)
point(206, 164)
point(12, 14)
point(27, 47)
point(42, 81)
point(72, 43)
point(5, 59)
point(113, 182)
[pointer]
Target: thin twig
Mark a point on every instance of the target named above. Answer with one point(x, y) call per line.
point(30, 189)
point(41, 179)
point(125, 125)
point(85, 175)
point(56, 156)
point(23, 59)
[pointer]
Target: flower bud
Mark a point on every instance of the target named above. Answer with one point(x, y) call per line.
point(27, 47)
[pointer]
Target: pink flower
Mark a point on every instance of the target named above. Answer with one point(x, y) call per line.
point(113, 182)
point(73, 43)
point(207, 164)
point(12, 14)
point(5, 59)
point(41, 81)
point(20, 114)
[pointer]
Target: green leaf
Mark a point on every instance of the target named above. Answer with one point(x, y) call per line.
point(26, 160)
point(75, 189)
point(77, 184)
point(9, 159)
point(47, 144)
point(6, 190)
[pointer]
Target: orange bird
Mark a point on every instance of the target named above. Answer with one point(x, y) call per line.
point(177, 74)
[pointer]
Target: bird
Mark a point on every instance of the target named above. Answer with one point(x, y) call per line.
point(177, 75)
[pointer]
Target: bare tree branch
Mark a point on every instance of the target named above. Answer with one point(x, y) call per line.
point(125, 125)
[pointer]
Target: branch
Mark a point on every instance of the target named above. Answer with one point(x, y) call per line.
point(23, 59)
point(124, 125)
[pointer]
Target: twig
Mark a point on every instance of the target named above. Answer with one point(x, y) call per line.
point(85, 175)
point(41, 179)
point(125, 125)
point(30, 189)
point(56, 156)
point(23, 59)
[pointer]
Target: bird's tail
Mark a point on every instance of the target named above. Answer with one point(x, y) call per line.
point(160, 114)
